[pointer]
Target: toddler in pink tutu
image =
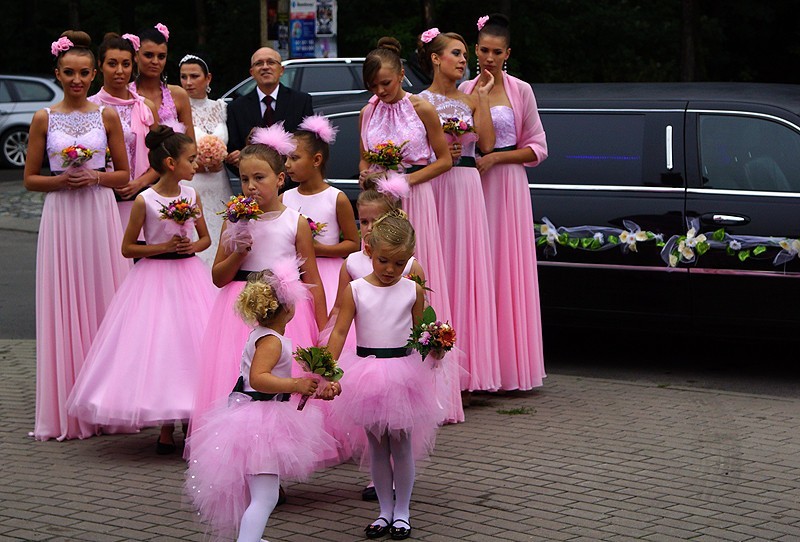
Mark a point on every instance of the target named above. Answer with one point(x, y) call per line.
point(243, 449)
point(389, 390)
point(330, 215)
point(142, 367)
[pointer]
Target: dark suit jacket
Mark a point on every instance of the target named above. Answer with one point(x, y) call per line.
point(245, 112)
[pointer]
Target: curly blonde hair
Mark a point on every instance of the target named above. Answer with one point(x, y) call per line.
point(258, 302)
point(394, 231)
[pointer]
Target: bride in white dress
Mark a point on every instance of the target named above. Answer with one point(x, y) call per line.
point(209, 118)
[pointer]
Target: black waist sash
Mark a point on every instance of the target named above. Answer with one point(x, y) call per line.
point(465, 161)
point(412, 168)
point(241, 275)
point(257, 395)
point(170, 256)
point(364, 352)
point(505, 149)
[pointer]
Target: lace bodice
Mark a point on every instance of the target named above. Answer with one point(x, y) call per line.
point(167, 111)
point(76, 128)
point(504, 128)
point(124, 112)
point(399, 122)
point(209, 118)
point(383, 313)
point(449, 108)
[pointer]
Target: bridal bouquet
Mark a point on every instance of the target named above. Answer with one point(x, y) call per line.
point(211, 151)
point(180, 211)
point(75, 156)
point(431, 335)
point(386, 155)
point(238, 212)
point(318, 362)
point(317, 228)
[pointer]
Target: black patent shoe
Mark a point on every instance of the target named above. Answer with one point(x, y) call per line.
point(164, 449)
point(377, 531)
point(369, 494)
point(400, 533)
point(281, 496)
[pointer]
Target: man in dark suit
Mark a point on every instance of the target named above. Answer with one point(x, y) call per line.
point(269, 103)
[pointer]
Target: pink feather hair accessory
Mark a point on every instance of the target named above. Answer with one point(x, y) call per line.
point(284, 277)
point(274, 137)
point(321, 126)
point(394, 185)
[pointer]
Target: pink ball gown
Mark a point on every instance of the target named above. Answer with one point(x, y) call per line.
point(321, 208)
point(464, 231)
point(274, 240)
point(508, 206)
point(142, 368)
point(385, 389)
point(78, 269)
point(252, 434)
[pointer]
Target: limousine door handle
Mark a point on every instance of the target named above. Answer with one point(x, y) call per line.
point(724, 220)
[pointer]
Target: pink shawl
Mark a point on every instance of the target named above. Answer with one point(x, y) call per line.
point(530, 132)
point(141, 121)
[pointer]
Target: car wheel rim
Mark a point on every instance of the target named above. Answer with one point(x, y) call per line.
point(15, 148)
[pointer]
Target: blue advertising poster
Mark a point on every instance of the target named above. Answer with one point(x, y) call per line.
point(302, 28)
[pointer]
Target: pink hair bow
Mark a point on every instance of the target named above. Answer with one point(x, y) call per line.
point(60, 45)
point(429, 34)
point(275, 137)
point(285, 280)
point(321, 126)
point(134, 39)
point(164, 30)
point(482, 22)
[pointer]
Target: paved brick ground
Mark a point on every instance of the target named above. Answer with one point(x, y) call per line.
point(580, 459)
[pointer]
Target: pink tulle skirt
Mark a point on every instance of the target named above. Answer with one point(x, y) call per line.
point(142, 367)
point(329, 269)
point(519, 323)
point(250, 437)
point(469, 273)
point(79, 267)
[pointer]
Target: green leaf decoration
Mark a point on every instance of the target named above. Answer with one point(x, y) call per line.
point(743, 255)
point(702, 248)
point(586, 242)
point(719, 235)
point(428, 315)
point(573, 242)
point(650, 235)
point(613, 239)
point(760, 249)
point(661, 243)
point(541, 241)
point(563, 238)
point(730, 251)
point(595, 244)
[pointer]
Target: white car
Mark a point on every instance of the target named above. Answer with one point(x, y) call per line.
point(20, 97)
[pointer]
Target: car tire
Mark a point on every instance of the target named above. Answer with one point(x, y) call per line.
point(14, 147)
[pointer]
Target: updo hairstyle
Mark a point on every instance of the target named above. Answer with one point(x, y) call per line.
point(164, 142)
point(151, 33)
point(112, 41)
point(370, 194)
point(393, 231)
point(81, 45)
point(437, 45)
point(497, 25)
point(387, 53)
point(258, 302)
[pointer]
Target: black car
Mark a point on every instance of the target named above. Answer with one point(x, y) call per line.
point(661, 207)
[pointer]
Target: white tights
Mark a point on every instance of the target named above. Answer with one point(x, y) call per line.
point(383, 452)
point(264, 490)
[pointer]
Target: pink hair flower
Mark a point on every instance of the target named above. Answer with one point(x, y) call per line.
point(429, 35)
point(393, 185)
point(274, 137)
point(285, 280)
point(60, 45)
point(134, 39)
point(164, 30)
point(321, 126)
point(482, 21)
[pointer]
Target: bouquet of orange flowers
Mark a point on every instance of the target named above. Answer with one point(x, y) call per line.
point(431, 335)
point(240, 208)
point(317, 228)
point(386, 155)
point(458, 130)
point(238, 212)
point(318, 362)
point(211, 151)
point(75, 156)
point(180, 211)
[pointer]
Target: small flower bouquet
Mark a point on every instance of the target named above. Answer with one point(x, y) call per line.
point(458, 130)
point(419, 280)
point(317, 228)
point(318, 362)
point(75, 156)
point(211, 151)
point(386, 155)
point(238, 212)
point(431, 335)
point(181, 212)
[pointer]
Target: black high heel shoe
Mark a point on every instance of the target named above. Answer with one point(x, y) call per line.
point(377, 531)
point(164, 449)
point(400, 533)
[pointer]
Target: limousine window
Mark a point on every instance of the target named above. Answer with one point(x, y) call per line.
point(591, 148)
point(747, 153)
point(329, 78)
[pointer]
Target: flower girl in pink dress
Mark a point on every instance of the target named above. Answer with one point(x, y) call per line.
point(242, 450)
point(142, 367)
point(281, 233)
point(387, 389)
point(327, 208)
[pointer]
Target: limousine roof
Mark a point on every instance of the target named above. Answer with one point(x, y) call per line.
point(648, 94)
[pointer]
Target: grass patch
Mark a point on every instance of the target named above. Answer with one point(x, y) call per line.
point(516, 411)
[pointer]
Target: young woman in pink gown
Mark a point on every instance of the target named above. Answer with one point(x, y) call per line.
point(520, 141)
point(327, 206)
point(78, 262)
point(461, 208)
point(174, 109)
point(137, 114)
point(280, 233)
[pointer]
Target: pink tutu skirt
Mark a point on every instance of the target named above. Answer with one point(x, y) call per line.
point(329, 269)
point(388, 395)
point(142, 366)
point(250, 437)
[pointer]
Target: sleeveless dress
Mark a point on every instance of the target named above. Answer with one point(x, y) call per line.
point(214, 189)
point(393, 395)
point(321, 208)
point(273, 241)
point(78, 269)
point(245, 437)
point(464, 231)
point(508, 206)
point(142, 367)
point(167, 111)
